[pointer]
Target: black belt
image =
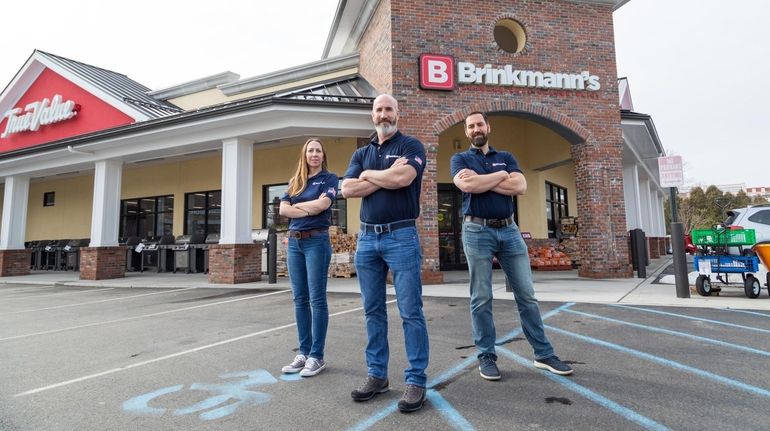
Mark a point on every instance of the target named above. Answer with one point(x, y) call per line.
point(303, 234)
point(386, 227)
point(490, 222)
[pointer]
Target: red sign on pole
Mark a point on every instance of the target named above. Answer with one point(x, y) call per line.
point(670, 171)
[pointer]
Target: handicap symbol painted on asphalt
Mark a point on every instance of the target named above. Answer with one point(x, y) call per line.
point(218, 401)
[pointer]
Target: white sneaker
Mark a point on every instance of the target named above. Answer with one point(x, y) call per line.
point(313, 366)
point(296, 365)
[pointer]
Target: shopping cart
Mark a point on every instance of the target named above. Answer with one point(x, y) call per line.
point(713, 258)
point(762, 250)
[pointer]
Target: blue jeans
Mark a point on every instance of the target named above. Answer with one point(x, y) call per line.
point(308, 264)
point(480, 244)
point(400, 251)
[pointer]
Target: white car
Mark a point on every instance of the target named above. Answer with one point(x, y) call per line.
point(755, 217)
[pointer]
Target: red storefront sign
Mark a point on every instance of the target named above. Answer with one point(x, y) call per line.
point(30, 127)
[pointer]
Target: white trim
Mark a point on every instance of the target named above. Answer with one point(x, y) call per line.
point(195, 86)
point(16, 200)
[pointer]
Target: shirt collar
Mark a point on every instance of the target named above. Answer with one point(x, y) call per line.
point(474, 150)
point(391, 139)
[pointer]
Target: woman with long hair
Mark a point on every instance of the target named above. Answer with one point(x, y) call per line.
point(307, 203)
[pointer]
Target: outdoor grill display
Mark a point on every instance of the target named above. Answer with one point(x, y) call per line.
point(52, 255)
point(212, 238)
point(188, 253)
point(133, 257)
point(155, 253)
point(72, 253)
point(36, 247)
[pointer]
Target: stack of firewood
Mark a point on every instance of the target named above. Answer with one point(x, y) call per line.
point(343, 253)
point(549, 259)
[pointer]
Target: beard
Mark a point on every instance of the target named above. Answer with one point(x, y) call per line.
point(385, 128)
point(479, 140)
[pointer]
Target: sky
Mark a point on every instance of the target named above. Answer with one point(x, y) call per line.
point(700, 68)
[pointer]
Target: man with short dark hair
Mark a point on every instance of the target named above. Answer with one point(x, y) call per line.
point(387, 174)
point(488, 179)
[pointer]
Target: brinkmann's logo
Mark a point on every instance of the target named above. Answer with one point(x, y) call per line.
point(469, 73)
point(437, 72)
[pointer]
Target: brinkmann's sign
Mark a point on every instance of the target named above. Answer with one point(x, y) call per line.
point(437, 72)
point(38, 114)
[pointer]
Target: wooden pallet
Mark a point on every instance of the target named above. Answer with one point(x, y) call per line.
point(552, 268)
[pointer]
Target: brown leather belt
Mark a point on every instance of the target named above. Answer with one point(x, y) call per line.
point(304, 234)
point(490, 222)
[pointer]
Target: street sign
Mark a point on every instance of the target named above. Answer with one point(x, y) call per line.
point(670, 171)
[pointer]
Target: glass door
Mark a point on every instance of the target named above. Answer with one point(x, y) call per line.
point(450, 205)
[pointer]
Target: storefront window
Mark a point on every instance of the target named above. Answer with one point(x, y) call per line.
point(203, 212)
point(147, 217)
point(272, 201)
point(556, 206)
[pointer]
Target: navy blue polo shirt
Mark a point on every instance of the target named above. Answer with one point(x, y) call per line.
point(387, 206)
point(488, 204)
point(323, 182)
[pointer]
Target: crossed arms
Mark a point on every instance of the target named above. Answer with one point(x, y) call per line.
point(500, 182)
point(398, 175)
point(305, 209)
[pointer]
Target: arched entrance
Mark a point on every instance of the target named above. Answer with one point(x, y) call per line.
point(544, 156)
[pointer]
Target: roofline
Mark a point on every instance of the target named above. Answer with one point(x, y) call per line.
point(350, 22)
point(647, 119)
point(194, 86)
point(297, 73)
point(217, 110)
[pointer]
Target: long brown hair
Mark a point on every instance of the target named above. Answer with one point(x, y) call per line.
point(298, 182)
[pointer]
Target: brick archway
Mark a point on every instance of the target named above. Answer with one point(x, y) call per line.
point(565, 126)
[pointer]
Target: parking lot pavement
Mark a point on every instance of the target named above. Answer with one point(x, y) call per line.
point(125, 359)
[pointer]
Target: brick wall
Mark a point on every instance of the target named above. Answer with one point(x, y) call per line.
point(101, 263)
point(561, 36)
point(235, 263)
point(15, 262)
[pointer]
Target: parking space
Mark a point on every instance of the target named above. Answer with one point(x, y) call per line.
point(93, 359)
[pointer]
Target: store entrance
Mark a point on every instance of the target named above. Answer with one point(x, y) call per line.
point(450, 220)
point(450, 246)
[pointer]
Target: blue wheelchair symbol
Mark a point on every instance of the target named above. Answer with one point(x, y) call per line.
point(218, 401)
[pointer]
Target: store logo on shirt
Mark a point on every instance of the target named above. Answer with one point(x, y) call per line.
point(441, 72)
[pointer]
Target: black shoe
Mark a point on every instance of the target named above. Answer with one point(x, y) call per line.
point(370, 388)
point(488, 367)
point(554, 365)
point(412, 400)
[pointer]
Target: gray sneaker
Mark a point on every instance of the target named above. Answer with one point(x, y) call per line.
point(412, 400)
point(296, 365)
point(313, 366)
point(488, 367)
point(370, 388)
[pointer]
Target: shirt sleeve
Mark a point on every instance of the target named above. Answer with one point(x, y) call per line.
point(356, 165)
point(457, 164)
point(512, 165)
point(331, 187)
point(415, 155)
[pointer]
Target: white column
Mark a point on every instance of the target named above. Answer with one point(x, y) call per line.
point(632, 197)
point(14, 213)
point(237, 165)
point(661, 213)
point(646, 220)
point(105, 214)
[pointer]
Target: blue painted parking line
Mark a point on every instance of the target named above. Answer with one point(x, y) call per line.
point(667, 362)
point(754, 313)
point(700, 319)
point(674, 333)
point(605, 402)
point(446, 375)
point(452, 416)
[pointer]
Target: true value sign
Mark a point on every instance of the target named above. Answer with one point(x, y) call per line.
point(38, 114)
point(438, 72)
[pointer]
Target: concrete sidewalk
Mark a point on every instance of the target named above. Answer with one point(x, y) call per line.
point(556, 286)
